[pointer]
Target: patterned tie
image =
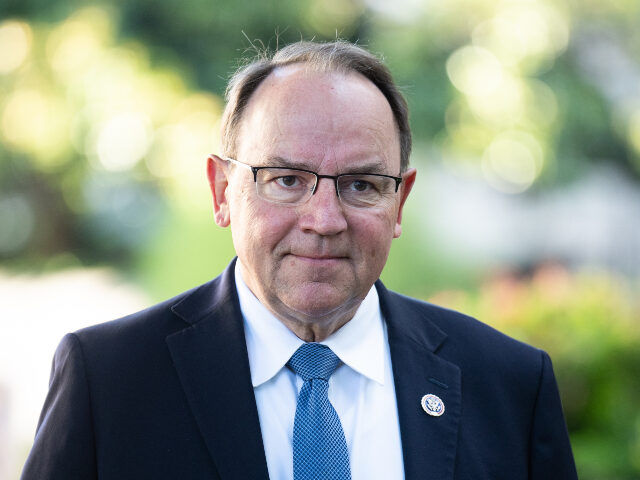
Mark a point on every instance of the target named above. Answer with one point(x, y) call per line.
point(319, 447)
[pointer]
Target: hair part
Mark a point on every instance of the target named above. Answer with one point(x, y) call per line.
point(338, 56)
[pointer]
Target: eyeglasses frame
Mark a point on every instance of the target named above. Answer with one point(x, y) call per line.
point(318, 176)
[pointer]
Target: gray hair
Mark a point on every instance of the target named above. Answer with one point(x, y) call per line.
point(338, 56)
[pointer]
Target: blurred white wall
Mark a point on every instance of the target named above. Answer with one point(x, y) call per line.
point(35, 313)
point(593, 222)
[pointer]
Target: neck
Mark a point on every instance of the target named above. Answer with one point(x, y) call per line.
point(314, 329)
point(311, 324)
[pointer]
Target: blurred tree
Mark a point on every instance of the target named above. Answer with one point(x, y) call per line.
point(506, 89)
point(97, 116)
point(589, 325)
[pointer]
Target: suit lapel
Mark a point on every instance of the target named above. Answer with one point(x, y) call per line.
point(210, 357)
point(429, 443)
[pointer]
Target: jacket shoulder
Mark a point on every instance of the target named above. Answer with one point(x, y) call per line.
point(467, 339)
point(159, 320)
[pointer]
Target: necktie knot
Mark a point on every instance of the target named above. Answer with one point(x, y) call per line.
point(313, 360)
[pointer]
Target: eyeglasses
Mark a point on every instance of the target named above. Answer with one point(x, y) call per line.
point(294, 186)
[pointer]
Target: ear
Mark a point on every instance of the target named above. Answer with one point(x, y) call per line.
point(217, 172)
point(408, 179)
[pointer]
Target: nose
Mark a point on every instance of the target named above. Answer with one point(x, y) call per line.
point(323, 213)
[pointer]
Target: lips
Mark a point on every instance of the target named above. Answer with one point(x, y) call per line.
point(317, 260)
point(318, 256)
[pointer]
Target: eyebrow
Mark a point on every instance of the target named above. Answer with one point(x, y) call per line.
point(370, 166)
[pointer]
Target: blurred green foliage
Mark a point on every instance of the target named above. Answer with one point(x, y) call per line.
point(110, 96)
point(588, 323)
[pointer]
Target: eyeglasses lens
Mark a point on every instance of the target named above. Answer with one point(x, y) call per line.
point(291, 186)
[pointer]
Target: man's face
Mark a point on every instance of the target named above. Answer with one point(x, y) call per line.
point(313, 262)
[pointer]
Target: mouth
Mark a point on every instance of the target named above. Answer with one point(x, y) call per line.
point(318, 259)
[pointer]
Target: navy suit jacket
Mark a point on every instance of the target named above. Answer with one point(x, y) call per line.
point(166, 394)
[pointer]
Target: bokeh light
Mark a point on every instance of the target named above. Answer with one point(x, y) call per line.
point(79, 42)
point(36, 122)
point(524, 35)
point(475, 71)
point(512, 162)
point(122, 141)
point(15, 44)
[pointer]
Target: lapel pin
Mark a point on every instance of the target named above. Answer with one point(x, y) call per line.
point(432, 405)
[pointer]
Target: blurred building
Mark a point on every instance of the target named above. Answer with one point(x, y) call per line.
point(593, 222)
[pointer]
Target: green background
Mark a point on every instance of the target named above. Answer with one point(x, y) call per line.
point(109, 109)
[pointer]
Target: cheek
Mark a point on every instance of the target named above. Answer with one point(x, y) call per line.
point(259, 225)
point(374, 232)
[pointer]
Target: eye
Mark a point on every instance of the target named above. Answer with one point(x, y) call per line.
point(360, 185)
point(288, 181)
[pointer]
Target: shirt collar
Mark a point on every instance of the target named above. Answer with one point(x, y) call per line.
point(270, 344)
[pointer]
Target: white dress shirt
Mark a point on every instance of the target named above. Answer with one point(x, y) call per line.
point(361, 390)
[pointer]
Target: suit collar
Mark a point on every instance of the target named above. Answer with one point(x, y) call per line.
point(210, 357)
point(408, 321)
point(205, 300)
point(429, 444)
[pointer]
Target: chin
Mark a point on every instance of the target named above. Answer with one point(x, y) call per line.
point(319, 300)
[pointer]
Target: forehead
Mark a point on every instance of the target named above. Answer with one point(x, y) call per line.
point(319, 118)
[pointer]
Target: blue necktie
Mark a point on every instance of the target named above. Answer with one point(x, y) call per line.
point(319, 447)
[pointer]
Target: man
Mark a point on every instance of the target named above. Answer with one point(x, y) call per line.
point(225, 381)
